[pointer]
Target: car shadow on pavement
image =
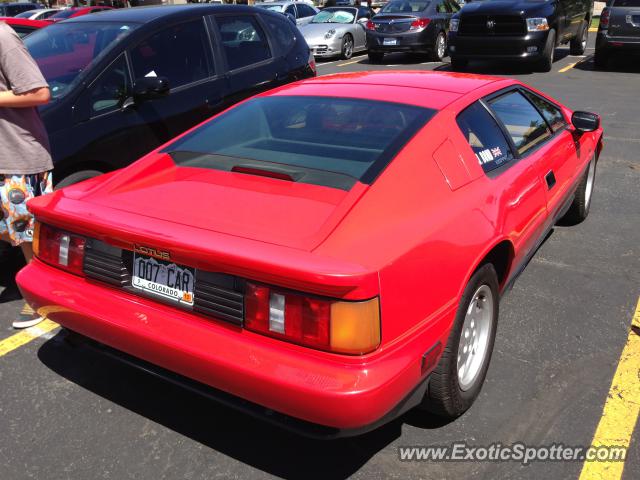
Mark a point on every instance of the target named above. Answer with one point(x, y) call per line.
point(497, 67)
point(620, 64)
point(225, 430)
point(11, 261)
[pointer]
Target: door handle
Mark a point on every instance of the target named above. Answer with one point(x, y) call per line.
point(550, 179)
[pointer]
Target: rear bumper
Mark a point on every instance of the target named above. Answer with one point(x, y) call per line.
point(614, 44)
point(498, 47)
point(405, 42)
point(348, 394)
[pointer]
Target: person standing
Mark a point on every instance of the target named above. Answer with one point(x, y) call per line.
point(25, 161)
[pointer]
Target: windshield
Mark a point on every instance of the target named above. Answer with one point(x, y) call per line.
point(64, 50)
point(338, 15)
point(405, 6)
point(321, 140)
point(273, 8)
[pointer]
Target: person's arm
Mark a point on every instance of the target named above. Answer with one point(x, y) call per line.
point(32, 98)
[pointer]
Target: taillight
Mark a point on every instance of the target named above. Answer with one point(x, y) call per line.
point(371, 25)
point(59, 248)
point(312, 63)
point(604, 18)
point(420, 23)
point(331, 325)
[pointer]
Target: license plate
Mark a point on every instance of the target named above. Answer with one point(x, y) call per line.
point(164, 279)
point(390, 41)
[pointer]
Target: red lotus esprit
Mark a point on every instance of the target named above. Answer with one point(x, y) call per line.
point(326, 255)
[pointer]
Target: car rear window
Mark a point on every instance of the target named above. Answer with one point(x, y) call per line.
point(321, 140)
point(405, 6)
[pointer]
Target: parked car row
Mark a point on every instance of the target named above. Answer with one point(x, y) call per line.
point(127, 80)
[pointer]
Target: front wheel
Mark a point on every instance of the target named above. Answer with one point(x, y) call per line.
point(545, 64)
point(347, 47)
point(439, 47)
point(457, 379)
point(579, 209)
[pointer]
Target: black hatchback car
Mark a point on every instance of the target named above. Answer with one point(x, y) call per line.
point(125, 81)
point(416, 26)
point(619, 31)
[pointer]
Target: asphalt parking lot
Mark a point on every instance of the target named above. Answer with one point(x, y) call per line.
point(69, 413)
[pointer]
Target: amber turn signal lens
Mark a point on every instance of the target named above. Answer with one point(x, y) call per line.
point(35, 244)
point(355, 326)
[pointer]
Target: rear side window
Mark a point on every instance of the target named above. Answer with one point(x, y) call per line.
point(552, 114)
point(281, 32)
point(525, 125)
point(179, 53)
point(243, 41)
point(485, 137)
point(320, 140)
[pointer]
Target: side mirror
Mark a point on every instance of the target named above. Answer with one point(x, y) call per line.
point(149, 88)
point(585, 121)
point(363, 20)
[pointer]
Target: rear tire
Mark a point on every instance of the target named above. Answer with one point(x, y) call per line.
point(347, 47)
point(578, 44)
point(600, 60)
point(457, 379)
point(458, 64)
point(439, 48)
point(375, 57)
point(579, 209)
point(545, 64)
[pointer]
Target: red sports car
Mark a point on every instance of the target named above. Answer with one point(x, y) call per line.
point(24, 26)
point(328, 254)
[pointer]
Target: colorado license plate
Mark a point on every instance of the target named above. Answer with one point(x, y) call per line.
point(164, 279)
point(389, 41)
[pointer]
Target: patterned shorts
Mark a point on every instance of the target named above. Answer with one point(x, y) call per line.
point(15, 190)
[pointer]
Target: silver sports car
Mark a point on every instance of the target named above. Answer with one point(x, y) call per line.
point(337, 31)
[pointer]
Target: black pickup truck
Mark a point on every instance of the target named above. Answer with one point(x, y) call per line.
point(518, 30)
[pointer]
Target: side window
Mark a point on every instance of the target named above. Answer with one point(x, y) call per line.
point(22, 31)
point(243, 40)
point(281, 32)
point(485, 137)
point(291, 10)
point(526, 127)
point(305, 10)
point(442, 7)
point(179, 53)
point(552, 114)
point(110, 89)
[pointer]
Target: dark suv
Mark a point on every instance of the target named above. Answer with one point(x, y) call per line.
point(518, 30)
point(619, 30)
point(125, 81)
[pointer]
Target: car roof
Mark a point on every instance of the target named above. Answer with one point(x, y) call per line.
point(153, 12)
point(431, 89)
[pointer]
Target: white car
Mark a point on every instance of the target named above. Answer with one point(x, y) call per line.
point(40, 14)
point(301, 12)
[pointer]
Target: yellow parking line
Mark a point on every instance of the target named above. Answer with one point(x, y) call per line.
point(25, 336)
point(568, 67)
point(348, 63)
point(621, 409)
